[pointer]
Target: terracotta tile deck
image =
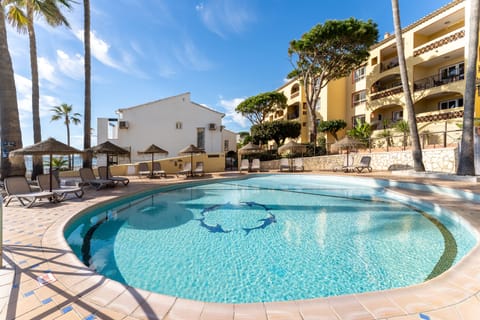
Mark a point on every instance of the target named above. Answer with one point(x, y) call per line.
point(33, 247)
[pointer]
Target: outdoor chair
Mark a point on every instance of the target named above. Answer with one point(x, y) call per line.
point(143, 169)
point(199, 169)
point(298, 164)
point(18, 188)
point(244, 165)
point(255, 165)
point(102, 172)
point(157, 170)
point(364, 164)
point(60, 192)
point(284, 164)
point(187, 169)
point(88, 177)
point(347, 164)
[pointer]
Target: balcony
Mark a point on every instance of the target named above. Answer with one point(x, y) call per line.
point(437, 43)
point(436, 81)
point(383, 92)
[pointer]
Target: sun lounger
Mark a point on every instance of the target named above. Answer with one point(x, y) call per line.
point(298, 164)
point(88, 177)
point(255, 165)
point(102, 172)
point(60, 192)
point(187, 169)
point(18, 188)
point(198, 171)
point(284, 164)
point(244, 165)
point(364, 164)
point(143, 169)
point(347, 164)
point(157, 170)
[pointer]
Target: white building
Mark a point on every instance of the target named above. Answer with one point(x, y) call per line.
point(171, 123)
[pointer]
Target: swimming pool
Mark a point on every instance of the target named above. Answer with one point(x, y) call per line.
point(269, 238)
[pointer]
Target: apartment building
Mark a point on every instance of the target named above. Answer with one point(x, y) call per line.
point(436, 55)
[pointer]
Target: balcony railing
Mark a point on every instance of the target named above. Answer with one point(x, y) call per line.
point(435, 81)
point(386, 92)
point(389, 65)
point(432, 45)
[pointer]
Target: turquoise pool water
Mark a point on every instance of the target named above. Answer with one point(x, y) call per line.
point(269, 238)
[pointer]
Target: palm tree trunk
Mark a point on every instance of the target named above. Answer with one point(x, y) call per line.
point(37, 134)
point(466, 158)
point(412, 120)
point(11, 134)
point(87, 160)
point(67, 121)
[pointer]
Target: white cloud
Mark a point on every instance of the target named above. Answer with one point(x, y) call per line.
point(189, 56)
point(71, 66)
point(46, 71)
point(224, 16)
point(231, 116)
point(24, 101)
point(100, 50)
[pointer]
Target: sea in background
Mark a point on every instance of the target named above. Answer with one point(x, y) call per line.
point(77, 163)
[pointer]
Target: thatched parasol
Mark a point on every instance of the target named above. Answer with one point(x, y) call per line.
point(47, 147)
point(292, 146)
point(348, 143)
point(191, 149)
point(109, 149)
point(152, 150)
point(248, 148)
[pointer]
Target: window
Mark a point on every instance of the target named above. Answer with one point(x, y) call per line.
point(356, 120)
point(358, 98)
point(178, 125)
point(112, 130)
point(397, 115)
point(225, 145)
point(455, 72)
point(449, 104)
point(201, 138)
point(359, 74)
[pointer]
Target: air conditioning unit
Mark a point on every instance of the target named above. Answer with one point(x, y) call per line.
point(123, 125)
point(212, 126)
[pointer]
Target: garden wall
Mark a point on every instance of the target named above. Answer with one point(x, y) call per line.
point(438, 160)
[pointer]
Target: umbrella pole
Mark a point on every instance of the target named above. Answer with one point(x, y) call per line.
point(51, 172)
point(108, 162)
point(191, 164)
point(151, 169)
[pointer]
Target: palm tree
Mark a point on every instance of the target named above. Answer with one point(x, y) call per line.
point(21, 14)
point(466, 163)
point(64, 112)
point(412, 120)
point(11, 133)
point(87, 113)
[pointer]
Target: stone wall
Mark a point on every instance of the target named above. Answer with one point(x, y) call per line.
point(438, 160)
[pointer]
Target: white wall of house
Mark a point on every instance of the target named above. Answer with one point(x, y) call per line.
point(229, 139)
point(171, 123)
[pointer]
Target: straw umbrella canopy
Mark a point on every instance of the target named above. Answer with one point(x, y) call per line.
point(191, 149)
point(109, 149)
point(249, 148)
point(292, 146)
point(47, 147)
point(348, 143)
point(152, 150)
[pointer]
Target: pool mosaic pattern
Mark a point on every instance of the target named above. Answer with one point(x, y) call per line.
point(42, 279)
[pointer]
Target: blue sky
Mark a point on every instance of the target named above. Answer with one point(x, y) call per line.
point(221, 51)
